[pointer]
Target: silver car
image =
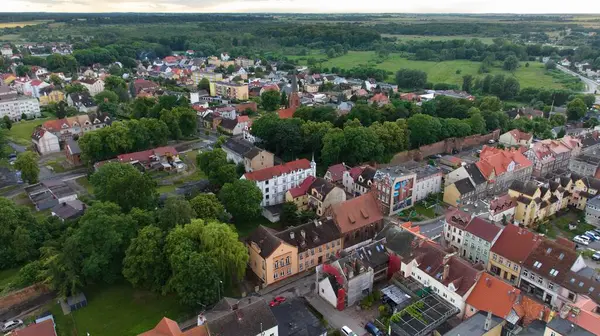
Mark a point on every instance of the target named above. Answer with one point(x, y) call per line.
point(11, 325)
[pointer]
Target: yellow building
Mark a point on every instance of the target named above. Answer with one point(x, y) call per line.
point(535, 203)
point(459, 192)
point(231, 90)
point(299, 194)
point(274, 256)
point(53, 96)
point(197, 76)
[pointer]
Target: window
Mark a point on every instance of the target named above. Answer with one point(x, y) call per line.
point(301, 267)
point(572, 296)
point(338, 243)
point(287, 260)
point(275, 276)
point(276, 264)
point(320, 249)
point(452, 300)
point(516, 267)
point(266, 189)
point(525, 273)
point(301, 256)
point(494, 256)
point(550, 286)
point(445, 295)
point(312, 262)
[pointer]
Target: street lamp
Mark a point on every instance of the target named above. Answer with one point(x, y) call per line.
point(219, 288)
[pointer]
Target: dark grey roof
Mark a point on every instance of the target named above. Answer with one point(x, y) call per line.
point(475, 174)
point(374, 255)
point(322, 186)
point(473, 326)
point(251, 154)
point(316, 233)
point(595, 160)
point(528, 188)
point(397, 240)
point(82, 98)
point(69, 210)
point(535, 328)
point(367, 174)
point(265, 239)
point(565, 327)
point(295, 319)
point(464, 186)
point(589, 182)
point(73, 146)
point(238, 146)
point(250, 320)
point(229, 123)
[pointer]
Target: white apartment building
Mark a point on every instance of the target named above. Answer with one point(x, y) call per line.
point(94, 86)
point(275, 181)
point(429, 181)
point(14, 107)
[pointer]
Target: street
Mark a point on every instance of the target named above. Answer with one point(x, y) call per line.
point(591, 86)
point(432, 230)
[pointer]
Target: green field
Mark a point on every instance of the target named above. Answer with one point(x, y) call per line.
point(20, 132)
point(444, 72)
point(404, 38)
point(117, 310)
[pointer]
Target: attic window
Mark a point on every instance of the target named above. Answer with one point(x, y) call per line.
point(351, 218)
point(549, 250)
point(572, 280)
point(561, 256)
point(591, 289)
point(553, 272)
point(537, 264)
point(581, 284)
point(364, 213)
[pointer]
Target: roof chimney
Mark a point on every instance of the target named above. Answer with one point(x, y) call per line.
point(488, 321)
point(291, 234)
point(446, 272)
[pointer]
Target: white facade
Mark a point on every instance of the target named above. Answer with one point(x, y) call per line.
point(454, 236)
point(48, 143)
point(348, 182)
point(14, 108)
point(428, 185)
point(6, 51)
point(274, 189)
point(95, 88)
point(447, 293)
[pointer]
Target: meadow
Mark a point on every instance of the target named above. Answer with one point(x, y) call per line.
point(450, 72)
point(22, 23)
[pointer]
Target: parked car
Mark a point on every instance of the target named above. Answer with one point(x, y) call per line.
point(372, 329)
point(597, 230)
point(590, 236)
point(11, 325)
point(347, 331)
point(583, 240)
point(594, 234)
point(276, 301)
point(596, 256)
point(491, 141)
point(12, 156)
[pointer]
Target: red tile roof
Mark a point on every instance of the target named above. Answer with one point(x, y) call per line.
point(337, 172)
point(500, 159)
point(302, 189)
point(36, 82)
point(518, 135)
point(458, 218)
point(502, 203)
point(356, 171)
point(54, 125)
point(515, 243)
point(145, 155)
point(268, 173)
point(166, 327)
point(380, 97)
point(45, 328)
point(483, 229)
point(357, 213)
point(487, 287)
point(286, 113)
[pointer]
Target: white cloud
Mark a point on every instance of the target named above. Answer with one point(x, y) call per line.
point(305, 6)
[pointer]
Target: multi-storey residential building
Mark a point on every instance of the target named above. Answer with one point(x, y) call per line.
point(299, 194)
point(510, 251)
point(471, 172)
point(197, 76)
point(77, 125)
point(502, 209)
point(548, 156)
point(429, 181)
point(350, 177)
point(395, 188)
point(315, 193)
point(449, 276)
point(460, 192)
point(82, 101)
point(364, 180)
point(516, 138)
point(274, 256)
point(583, 188)
point(586, 165)
point(501, 167)
point(580, 298)
point(94, 85)
point(592, 211)
point(494, 296)
point(358, 219)
point(546, 267)
point(45, 142)
point(50, 95)
point(275, 181)
point(231, 90)
point(535, 203)
point(480, 235)
point(14, 106)
point(253, 158)
point(454, 228)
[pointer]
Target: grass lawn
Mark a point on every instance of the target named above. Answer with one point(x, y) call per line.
point(23, 23)
point(562, 223)
point(246, 227)
point(117, 310)
point(6, 277)
point(424, 211)
point(84, 182)
point(445, 72)
point(20, 132)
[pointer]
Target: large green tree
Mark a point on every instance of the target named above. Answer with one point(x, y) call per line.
point(19, 233)
point(411, 79)
point(124, 185)
point(175, 211)
point(242, 199)
point(27, 163)
point(207, 206)
point(145, 264)
point(576, 109)
point(270, 100)
point(424, 129)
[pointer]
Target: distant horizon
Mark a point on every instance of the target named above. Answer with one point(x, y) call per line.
point(455, 7)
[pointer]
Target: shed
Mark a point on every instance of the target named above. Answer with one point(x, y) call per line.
point(77, 301)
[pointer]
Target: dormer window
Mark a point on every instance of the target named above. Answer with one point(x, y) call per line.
point(553, 272)
point(537, 264)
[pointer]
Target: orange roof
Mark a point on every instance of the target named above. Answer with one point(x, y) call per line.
point(286, 168)
point(504, 296)
point(530, 310)
point(166, 327)
point(357, 213)
point(586, 318)
point(286, 113)
point(45, 328)
point(500, 159)
point(302, 189)
point(380, 97)
point(55, 125)
point(518, 135)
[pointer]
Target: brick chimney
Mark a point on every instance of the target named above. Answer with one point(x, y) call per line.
point(446, 272)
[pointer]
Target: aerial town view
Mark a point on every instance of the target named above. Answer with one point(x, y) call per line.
point(293, 168)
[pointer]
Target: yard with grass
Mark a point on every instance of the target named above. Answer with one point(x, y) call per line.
point(562, 221)
point(425, 211)
point(445, 72)
point(117, 310)
point(85, 182)
point(20, 133)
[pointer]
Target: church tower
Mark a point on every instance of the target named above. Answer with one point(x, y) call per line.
point(294, 99)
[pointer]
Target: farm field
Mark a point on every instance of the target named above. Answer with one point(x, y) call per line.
point(22, 23)
point(444, 72)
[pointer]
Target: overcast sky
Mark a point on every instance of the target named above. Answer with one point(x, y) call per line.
point(305, 6)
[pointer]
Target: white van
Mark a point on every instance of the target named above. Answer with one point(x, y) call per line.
point(348, 332)
point(582, 240)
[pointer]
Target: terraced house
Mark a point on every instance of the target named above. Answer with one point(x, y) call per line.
point(510, 251)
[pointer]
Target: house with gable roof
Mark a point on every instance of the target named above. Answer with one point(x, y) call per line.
point(45, 142)
point(509, 252)
point(358, 219)
point(472, 237)
point(502, 166)
point(516, 138)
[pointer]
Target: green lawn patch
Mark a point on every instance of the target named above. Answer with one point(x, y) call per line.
point(424, 211)
point(244, 228)
point(534, 75)
point(85, 182)
point(118, 310)
point(562, 223)
point(7, 277)
point(20, 132)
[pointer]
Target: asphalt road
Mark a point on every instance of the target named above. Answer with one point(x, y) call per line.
point(591, 86)
point(433, 230)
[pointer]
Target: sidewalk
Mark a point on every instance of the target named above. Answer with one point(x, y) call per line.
point(291, 282)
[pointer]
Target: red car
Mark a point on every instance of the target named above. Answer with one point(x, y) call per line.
point(276, 301)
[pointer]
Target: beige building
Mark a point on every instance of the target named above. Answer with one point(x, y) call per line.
point(53, 96)
point(275, 256)
point(197, 76)
point(315, 193)
point(231, 90)
point(516, 138)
